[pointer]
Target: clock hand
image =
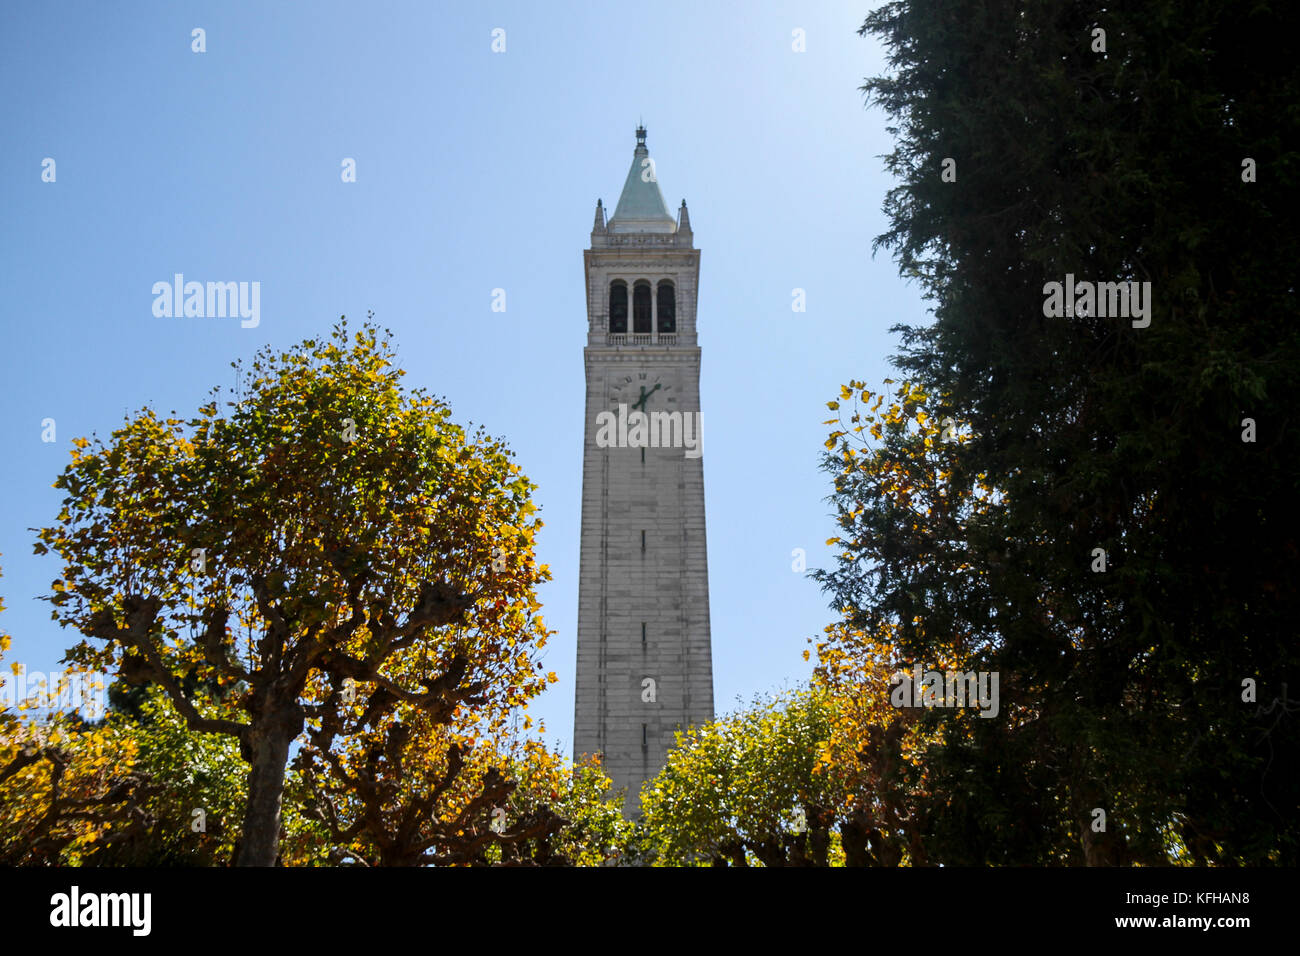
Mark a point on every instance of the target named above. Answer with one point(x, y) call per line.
point(645, 396)
point(640, 403)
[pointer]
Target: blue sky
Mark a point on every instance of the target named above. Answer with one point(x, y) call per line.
point(475, 170)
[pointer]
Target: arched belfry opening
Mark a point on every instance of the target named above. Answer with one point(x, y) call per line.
point(667, 307)
point(641, 308)
point(618, 307)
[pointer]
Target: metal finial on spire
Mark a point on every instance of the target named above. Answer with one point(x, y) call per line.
point(640, 134)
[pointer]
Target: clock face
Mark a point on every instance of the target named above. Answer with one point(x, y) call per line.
point(639, 391)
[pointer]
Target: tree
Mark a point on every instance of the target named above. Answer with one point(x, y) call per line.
point(328, 527)
point(65, 799)
point(195, 809)
point(67, 790)
point(408, 790)
point(746, 789)
point(414, 790)
point(594, 831)
point(912, 586)
point(1122, 164)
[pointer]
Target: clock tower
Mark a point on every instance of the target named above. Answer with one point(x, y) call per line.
point(644, 660)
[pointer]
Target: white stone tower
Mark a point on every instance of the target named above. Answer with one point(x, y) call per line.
point(644, 660)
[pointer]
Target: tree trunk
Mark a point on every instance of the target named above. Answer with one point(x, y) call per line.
point(268, 758)
point(1106, 848)
point(853, 837)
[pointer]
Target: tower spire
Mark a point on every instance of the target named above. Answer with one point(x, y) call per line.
point(641, 206)
point(598, 228)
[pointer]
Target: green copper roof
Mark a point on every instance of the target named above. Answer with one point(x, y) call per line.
point(641, 207)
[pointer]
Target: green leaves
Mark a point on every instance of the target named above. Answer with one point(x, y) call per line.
point(731, 789)
point(326, 525)
point(1087, 432)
